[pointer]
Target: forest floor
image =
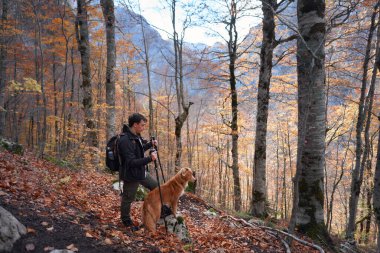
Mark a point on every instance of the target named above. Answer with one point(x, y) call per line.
point(78, 209)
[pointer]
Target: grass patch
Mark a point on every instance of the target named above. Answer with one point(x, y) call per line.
point(61, 162)
point(243, 215)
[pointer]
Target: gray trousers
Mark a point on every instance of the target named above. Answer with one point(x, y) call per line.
point(129, 194)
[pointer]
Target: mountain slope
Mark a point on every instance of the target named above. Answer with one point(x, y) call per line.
point(62, 206)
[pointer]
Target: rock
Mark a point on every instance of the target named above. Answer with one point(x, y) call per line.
point(15, 148)
point(210, 213)
point(178, 227)
point(10, 230)
point(348, 247)
point(256, 222)
point(118, 185)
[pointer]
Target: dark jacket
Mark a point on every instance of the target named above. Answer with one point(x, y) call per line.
point(132, 148)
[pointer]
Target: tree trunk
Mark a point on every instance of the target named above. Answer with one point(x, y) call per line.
point(290, 158)
point(3, 63)
point(188, 145)
point(63, 139)
point(309, 216)
point(70, 121)
point(369, 211)
point(183, 107)
point(337, 180)
point(284, 191)
point(179, 121)
point(357, 174)
point(109, 20)
point(55, 92)
point(147, 68)
point(277, 173)
point(367, 158)
point(376, 190)
point(42, 139)
point(259, 196)
point(232, 53)
point(84, 49)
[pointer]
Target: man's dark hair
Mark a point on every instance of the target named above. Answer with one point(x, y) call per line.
point(136, 118)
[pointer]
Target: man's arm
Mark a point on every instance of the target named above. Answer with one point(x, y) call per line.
point(127, 151)
point(147, 145)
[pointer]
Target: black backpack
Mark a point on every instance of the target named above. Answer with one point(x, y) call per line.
point(113, 161)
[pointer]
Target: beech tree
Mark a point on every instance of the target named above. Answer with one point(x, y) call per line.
point(3, 62)
point(360, 159)
point(376, 189)
point(269, 43)
point(308, 211)
point(83, 39)
point(266, 55)
point(109, 20)
point(182, 103)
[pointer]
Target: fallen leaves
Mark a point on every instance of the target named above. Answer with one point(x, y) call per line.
point(88, 198)
point(108, 241)
point(30, 230)
point(48, 248)
point(72, 247)
point(30, 247)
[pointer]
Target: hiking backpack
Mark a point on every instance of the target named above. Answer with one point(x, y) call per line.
point(113, 161)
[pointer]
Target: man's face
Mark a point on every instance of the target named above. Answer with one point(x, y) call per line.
point(139, 127)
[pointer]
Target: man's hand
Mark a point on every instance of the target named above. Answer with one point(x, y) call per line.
point(153, 155)
point(154, 143)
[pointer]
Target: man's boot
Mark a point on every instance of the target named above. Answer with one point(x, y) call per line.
point(128, 223)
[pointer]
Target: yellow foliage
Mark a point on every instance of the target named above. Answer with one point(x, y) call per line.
point(29, 85)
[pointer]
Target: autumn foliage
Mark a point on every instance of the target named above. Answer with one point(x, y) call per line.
point(86, 197)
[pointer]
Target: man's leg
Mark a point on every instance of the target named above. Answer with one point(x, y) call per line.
point(149, 182)
point(129, 193)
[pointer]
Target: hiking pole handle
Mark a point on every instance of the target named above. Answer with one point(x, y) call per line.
point(152, 139)
point(153, 152)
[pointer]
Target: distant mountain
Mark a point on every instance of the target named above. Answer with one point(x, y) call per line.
point(160, 51)
point(129, 23)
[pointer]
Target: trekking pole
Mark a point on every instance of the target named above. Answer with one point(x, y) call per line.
point(159, 187)
point(158, 158)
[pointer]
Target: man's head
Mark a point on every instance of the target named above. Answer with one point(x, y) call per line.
point(137, 122)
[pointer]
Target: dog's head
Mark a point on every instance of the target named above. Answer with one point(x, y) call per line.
point(187, 174)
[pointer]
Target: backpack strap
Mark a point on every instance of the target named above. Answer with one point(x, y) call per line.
point(120, 161)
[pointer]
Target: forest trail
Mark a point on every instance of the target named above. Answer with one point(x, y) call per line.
point(79, 209)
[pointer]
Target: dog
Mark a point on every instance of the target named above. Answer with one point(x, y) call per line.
point(171, 191)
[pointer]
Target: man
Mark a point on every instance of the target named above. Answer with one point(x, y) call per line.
point(132, 147)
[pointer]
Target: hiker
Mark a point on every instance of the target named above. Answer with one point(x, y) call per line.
point(134, 164)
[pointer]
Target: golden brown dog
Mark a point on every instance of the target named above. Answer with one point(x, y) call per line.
point(171, 191)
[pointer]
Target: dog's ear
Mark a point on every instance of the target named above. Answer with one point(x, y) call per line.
point(183, 172)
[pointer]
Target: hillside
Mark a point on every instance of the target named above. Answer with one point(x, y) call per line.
point(78, 208)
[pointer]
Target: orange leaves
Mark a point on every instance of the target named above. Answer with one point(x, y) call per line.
point(87, 198)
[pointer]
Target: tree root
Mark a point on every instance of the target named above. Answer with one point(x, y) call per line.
point(273, 231)
point(286, 245)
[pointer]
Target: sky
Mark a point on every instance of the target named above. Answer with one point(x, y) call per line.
point(158, 15)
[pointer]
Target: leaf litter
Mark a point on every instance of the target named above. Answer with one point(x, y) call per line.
point(83, 208)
